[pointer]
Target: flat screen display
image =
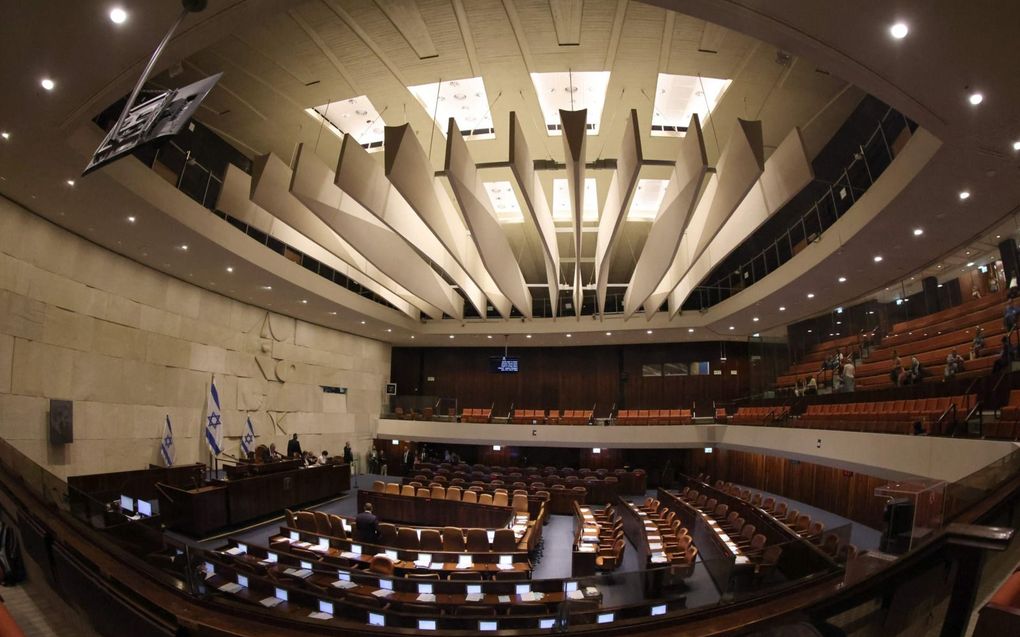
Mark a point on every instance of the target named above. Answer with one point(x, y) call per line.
point(145, 508)
point(504, 364)
point(126, 503)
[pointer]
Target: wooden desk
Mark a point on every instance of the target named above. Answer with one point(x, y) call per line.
point(412, 510)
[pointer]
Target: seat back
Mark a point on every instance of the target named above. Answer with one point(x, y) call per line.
point(407, 490)
point(470, 496)
point(431, 540)
point(387, 534)
point(520, 503)
point(500, 499)
point(392, 488)
point(378, 486)
point(485, 498)
point(504, 541)
point(438, 492)
point(306, 521)
point(407, 539)
point(336, 526)
point(477, 540)
point(453, 493)
point(322, 523)
point(453, 539)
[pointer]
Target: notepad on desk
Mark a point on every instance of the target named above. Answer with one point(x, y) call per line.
point(504, 599)
point(474, 597)
point(349, 555)
point(426, 597)
point(299, 572)
point(382, 592)
point(271, 602)
point(302, 545)
point(344, 584)
point(505, 567)
point(320, 615)
point(230, 587)
point(575, 595)
point(234, 551)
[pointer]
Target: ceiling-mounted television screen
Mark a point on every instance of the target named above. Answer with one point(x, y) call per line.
point(503, 364)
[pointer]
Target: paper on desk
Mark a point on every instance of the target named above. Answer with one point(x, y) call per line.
point(320, 615)
point(230, 587)
point(505, 567)
point(271, 602)
point(344, 584)
point(318, 548)
point(504, 599)
point(299, 572)
point(426, 597)
point(575, 595)
point(382, 592)
point(474, 597)
point(234, 551)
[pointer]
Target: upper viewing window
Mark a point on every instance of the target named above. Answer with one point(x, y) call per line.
point(571, 92)
point(463, 100)
point(355, 116)
point(677, 97)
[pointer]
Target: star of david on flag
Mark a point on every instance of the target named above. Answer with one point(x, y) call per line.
point(248, 438)
point(166, 444)
point(213, 424)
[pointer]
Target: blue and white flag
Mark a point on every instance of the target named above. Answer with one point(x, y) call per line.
point(213, 423)
point(166, 444)
point(248, 439)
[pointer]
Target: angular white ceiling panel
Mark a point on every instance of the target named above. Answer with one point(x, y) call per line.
point(628, 166)
point(787, 172)
point(575, 138)
point(679, 98)
point(488, 236)
point(571, 91)
point(464, 100)
point(538, 206)
point(668, 228)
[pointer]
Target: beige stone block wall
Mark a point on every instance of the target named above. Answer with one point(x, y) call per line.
point(130, 345)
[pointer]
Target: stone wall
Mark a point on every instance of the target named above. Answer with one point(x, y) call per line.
point(130, 345)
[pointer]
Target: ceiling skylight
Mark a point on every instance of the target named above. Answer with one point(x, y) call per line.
point(647, 199)
point(677, 97)
point(561, 201)
point(504, 201)
point(571, 92)
point(355, 116)
point(464, 100)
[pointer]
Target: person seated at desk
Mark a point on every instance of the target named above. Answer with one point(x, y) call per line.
point(309, 459)
point(294, 447)
point(366, 525)
point(324, 457)
point(273, 453)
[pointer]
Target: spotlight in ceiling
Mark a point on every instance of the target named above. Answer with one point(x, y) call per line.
point(184, 247)
point(899, 30)
point(570, 335)
point(842, 279)
point(755, 319)
point(131, 219)
point(976, 98)
point(527, 336)
point(732, 328)
point(489, 336)
point(48, 84)
point(7, 136)
point(70, 182)
point(782, 308)
point(918, 232)
point(269, 287)
point(964, 195)
point(118, 15)
point(230, 268)
point(878, 258)
point(811, 295)
point(304, 301)
point(1016, 144)
point(648, 332)
point(452, 336)
point(609, 333)
point(690, 330)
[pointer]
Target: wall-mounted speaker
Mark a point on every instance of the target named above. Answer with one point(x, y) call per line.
point(61, 422)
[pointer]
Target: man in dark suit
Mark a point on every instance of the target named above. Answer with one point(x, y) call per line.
point(366, 525)
point(348, 454)
point(408, 460)
point(293, 447)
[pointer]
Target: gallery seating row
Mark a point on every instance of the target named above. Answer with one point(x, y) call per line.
point(476, 415)
point(950, 409)
point(654, 417)
point(1007, 422)
point(759, 415)
point(473, 494)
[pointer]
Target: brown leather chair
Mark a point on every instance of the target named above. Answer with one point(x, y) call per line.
point(378, 486)
point(321, 523)
point(407, 490)
point(306, 521)
point(504, 541)
point(453, 539)
point(407, 539)
point(431, 540)
point(454, 493)
point(387, 534)
point(438, 492)
point(381, 564)
point(477, 540)
point(500, 499)
point(336, 526)
point(423, 493)
point(470, 496)
point(392, 488)
point(609, 559)
point(485, 498)
point(291, 520)
point(520, 503)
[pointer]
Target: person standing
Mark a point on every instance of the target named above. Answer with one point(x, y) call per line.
point(294, 447)
point(408, 458)
point(366, 525)
point(848, 375)
point(348, 454)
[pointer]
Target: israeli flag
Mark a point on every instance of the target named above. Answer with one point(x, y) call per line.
point(166, 444)
point(213, 423)
point(248, 438)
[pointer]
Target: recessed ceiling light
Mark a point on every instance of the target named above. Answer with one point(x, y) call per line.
point(648, 332)
point(131, 219)
point(899, 30)
point(305, 301)
point(970, 264)
point(489, 336)
point(811, 295)
point(609, 333)
point(70, 182)
point(269, 287)
point(782, 308)
point(756, 335)
point(527, 336)
point(570, 335)
point(412, 337)
point(690, 330)
point(918, 232)
point(878, 258)
point(47, 84)
point(1016, 144)
point(451, 336)
point(809, 331)
point(230, 268)
point(362, 322)
point(334, 314)
point(389, 329)
point(976, 98)
point(755, 319)
point(5, 135)
point(732, 328)
point(964, 194)
point(842, 279)
point(118, 15)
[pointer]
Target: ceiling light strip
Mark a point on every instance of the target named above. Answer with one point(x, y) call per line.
point(575, 135)
point(486, 233)
point(628, 166)
point(685, 184)
point(535, 201)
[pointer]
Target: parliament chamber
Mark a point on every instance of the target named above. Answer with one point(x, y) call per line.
point(457, 317)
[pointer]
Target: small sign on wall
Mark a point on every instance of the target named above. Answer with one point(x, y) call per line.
point(733, 372)
point(717, 372)
point(391, 389)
